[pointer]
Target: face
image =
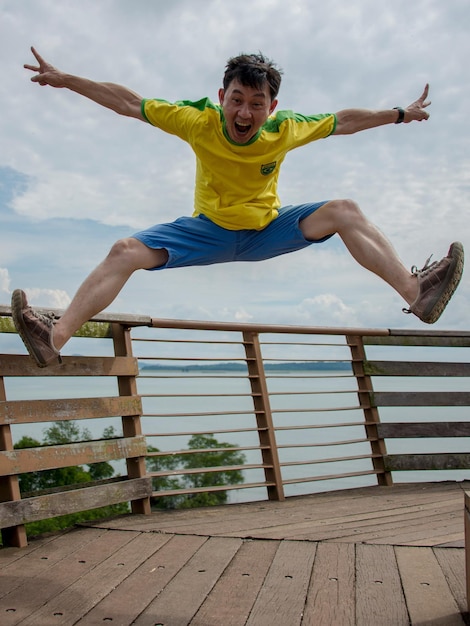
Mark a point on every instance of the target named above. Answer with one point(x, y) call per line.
point(245, 109)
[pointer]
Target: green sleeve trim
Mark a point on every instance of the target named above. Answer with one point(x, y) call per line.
point(200, 105)
point(334, 124)
point(273, 124)
point(142, 110)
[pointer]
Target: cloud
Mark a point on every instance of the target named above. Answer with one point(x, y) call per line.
point(54, 298)
point(75, 177)
point(4, 281)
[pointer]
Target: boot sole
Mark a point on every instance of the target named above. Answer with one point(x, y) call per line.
point(457, 255)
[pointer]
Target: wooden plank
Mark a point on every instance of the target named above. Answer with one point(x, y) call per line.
point(415, 368)
point(428, 597)
point(32, 411)
point(74, 601)
point(282, 597)
point(180, 600)
point(34, 591)
point(83, 453)
point(261, 519)
point(417, 462)
point(41, 555)
point(371, 414)
point(264, 418)
point(66, 502)
point(127, 319)
point(10, 554)
point(331, 593)
point(233, 596)
point(400, 525)
point(131, 425)
point(452, 563)
point(168, 555)
point(440, 339)
point(404, 430)
point(420, 398)
point(97, 330)
point(10, 485)
point(467, 545)
point(380, 599)
point(19, 365)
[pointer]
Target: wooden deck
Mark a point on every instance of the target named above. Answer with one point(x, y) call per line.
point(369, 556)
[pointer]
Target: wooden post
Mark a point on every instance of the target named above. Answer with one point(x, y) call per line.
point(371, 414)
point(9, 485)
point(131, 425)
point(467, 546)
point(264, 420)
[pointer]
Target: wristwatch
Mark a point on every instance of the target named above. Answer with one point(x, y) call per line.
point(401, 115)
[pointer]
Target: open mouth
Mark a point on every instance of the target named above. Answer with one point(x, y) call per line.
point(242, 129)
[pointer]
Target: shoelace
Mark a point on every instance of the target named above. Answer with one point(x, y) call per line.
point(421, 272)
point(426, 267)
point(47, 318)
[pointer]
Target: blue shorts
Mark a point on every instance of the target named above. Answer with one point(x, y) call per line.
point(198, 241)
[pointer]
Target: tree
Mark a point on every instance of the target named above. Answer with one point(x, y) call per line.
point(211, 455)
point(60, 433)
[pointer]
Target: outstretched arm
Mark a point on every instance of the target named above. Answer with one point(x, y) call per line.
point(114, 97)
point(351, 121)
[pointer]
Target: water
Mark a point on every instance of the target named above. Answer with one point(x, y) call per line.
point(178, 404)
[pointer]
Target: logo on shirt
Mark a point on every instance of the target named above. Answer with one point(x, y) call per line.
point(268, 168)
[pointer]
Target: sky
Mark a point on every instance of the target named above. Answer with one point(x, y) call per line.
point(75, 177)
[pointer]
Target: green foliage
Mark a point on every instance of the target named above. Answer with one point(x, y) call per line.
point(57, 434)
point(67, 521)
point(213, 453)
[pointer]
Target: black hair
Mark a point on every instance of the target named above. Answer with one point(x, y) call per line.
point(253, 70)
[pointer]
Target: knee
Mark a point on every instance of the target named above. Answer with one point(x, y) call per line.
point(124, 252)
point(121, 248)
point(345, 212)
point(131, 254)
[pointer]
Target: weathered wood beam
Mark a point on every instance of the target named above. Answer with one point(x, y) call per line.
point(467, 545)
point(415, 368)
point(74, 501)
point(19, 365)
point(32, 411)
point(84, 453)
point(418, 462)
point(420, 398)
point(407, 430)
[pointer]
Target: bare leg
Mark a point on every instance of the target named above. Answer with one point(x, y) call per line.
point(365, 242)
point(104, 284)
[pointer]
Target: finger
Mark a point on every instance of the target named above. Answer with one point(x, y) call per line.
point(425, 95)
point(36, 54)
point(34, 68)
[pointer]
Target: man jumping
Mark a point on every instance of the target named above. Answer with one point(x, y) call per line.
point(239, 143)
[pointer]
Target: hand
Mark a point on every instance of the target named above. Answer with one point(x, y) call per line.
point(415, 111)
point(47, 74)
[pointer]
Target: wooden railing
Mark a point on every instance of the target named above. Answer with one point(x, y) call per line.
point(134, 487)
point(281, 391)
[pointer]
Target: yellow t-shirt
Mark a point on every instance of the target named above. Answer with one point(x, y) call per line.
point(236, 184)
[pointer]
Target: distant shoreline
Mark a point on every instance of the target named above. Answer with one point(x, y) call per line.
point(241, 367)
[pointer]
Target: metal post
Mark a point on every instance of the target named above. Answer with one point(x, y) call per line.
point(371, 413)
point(264, 420)
point(9, 486)
point(131, 425)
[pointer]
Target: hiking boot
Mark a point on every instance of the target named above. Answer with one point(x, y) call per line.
point(35, 330)
point(437, 282)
